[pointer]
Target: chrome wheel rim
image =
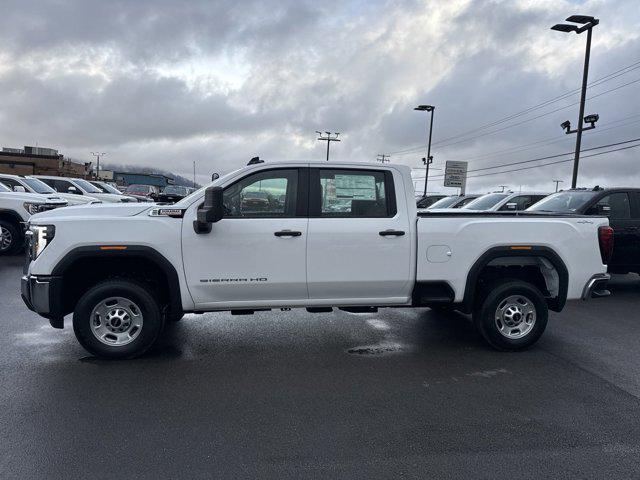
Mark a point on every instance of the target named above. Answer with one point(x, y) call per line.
point(116, 321)
point(515, 316)
point(6, 239)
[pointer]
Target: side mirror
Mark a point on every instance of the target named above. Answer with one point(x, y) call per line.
point(215, 176)
point(512, 206)
point(72, 190)
point(19, 188)
point(211, 211)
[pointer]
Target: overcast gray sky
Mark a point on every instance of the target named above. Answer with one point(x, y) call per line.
point(166, 82)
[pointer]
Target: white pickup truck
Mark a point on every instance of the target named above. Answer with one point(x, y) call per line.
point(305, 235)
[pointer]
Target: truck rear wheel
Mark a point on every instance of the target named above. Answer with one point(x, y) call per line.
point(117, 319)
point(511, 315)
point(10, 238)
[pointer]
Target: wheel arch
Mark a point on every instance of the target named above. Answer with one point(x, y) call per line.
point(144, 260)
point(512, 256)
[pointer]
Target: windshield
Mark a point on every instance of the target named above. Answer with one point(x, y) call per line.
point(445, 202)
point(38, 186)
point(175, 190)
point(562, 202)
point(106, 188)
point(186, 201)
point(485, 202)
point(86, 186)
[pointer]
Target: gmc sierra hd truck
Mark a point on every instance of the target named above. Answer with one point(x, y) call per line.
point(322, 236)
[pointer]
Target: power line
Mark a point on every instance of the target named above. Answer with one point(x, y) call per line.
point(549, 157)
point(553, 163)
point(599, 81)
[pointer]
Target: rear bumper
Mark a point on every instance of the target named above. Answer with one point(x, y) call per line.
point(595, 287)
point(41, 295)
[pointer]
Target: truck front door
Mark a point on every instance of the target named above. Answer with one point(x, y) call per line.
point(257, 252)
point(360, 237)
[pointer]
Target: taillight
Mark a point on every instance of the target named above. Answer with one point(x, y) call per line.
point(605, 238)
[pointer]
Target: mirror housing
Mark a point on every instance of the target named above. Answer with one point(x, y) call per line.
point(215, 176)
point(212, 210)
point(19, 188)
point(72, 189)
point(512, 206)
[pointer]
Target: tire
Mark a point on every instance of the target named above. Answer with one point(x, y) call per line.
point(511, 315)
point(10, 238)
point(117, 319)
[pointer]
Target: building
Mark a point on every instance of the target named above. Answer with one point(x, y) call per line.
point(40, 161)
point(129, 178)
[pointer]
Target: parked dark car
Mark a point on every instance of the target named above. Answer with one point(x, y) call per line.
point(428, 200)
point(143, 193)
point(621, 205)
point(172, 194)
point(454, 201)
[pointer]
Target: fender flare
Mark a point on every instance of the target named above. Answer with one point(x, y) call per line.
point(131, 251)
point(556, 304)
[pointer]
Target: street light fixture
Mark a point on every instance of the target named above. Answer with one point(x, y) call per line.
point(586, 25)
point(429, 159)
point(328, 138)
point(98, 155)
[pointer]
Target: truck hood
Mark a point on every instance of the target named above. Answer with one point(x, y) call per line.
point(33, 197)
point(96, 210)
point(74, 199)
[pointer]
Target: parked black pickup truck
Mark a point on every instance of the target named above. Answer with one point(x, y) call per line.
point(621, 205)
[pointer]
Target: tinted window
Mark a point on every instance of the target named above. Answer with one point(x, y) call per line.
point(266, 194)
point(486, 201)
point(563, 202)
point(38, 186)
point(86, 186)
point(353, 193)
point(465, 201)
point(522, 202)
point(9, 182)
point(616, 205)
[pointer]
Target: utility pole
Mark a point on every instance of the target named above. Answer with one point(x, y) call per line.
point(98, 155)
point(587, 23)
point(328, 138)
point(557, 182)
point(382, 158)
point(194, 174)
point(503, 187)
point(429, 159)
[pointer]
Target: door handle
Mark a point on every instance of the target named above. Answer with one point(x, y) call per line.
point(391, 233)
point(287, 233)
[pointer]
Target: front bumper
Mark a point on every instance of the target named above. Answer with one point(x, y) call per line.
point(42, 295)
point(595, 287)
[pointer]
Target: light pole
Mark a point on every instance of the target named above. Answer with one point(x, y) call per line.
point(587, 24)
point(328, 138)
point(557, 182)
point(194, 174)
point(98, 155)
point(429, 159)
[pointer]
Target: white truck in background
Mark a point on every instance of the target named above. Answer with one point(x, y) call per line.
point(305, 235)
point(15, 210)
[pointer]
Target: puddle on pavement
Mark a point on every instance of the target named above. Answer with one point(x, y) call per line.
point(380, 349)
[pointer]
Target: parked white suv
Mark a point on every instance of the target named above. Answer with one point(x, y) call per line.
point(20, 183)
point(505, 201)
point(15, 210)
point(306, 235)
point(80, 186)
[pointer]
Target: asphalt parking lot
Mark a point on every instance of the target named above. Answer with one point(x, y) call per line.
point(398, 394)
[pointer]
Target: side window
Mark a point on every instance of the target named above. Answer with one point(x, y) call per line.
point(10, 183)
point(616, 205)
point(521, 202)
point(266, 194)
point(63, 186)
point(49, 182)
point(355, 193)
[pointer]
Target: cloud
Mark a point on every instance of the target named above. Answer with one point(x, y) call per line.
point(166, 82)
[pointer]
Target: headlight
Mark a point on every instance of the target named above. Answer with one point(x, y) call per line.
point(32, 208)
point(38, 237)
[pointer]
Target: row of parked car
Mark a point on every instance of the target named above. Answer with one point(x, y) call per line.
point(620, 205)
point(24, 195)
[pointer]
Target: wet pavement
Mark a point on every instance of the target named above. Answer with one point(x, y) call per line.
point(396, 394)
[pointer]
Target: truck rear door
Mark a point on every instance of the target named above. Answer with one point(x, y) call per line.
point(360, 237)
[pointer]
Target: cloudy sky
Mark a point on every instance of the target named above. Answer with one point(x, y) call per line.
point(168, 82)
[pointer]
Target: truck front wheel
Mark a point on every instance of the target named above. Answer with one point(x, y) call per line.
point(10, 238)
point(117, 319)
point(511, 315)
